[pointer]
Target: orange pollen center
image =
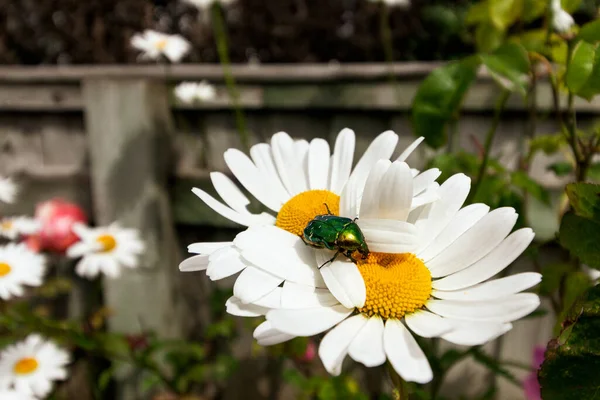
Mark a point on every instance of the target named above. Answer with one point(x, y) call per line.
point(298, 211)
point(4, 269)
point(25, 366)
point(161, 44)
point(397, 284)
point(108, 242)
point(6, 225)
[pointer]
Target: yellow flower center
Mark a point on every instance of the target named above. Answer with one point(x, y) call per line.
point(298, 211)
point(4, 269)
point(26, 366)
point(397, 284)
point(6, 225)
point(161, 44)
point(108, 242)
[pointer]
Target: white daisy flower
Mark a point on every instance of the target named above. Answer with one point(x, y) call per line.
point(19, 266)
point(13, 227)
point(105, 250)
point(8, 190)
point(204, 4)
point(31, 366)
point(154, 44)
point(297, 181)
point(188, 92)
point(11, 394)
point(562, 21)
point(431, 281)
point(393, 3)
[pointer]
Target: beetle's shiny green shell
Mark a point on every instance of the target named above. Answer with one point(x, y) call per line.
point(335, 233)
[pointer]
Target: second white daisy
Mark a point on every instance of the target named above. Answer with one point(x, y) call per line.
point(8, 190)
point(105, 250)
point(155, 44)
point(13, 227)
point(19, 267)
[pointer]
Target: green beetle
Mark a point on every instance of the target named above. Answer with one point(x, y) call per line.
point(335, 233)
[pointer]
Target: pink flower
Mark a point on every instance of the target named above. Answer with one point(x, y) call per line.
point(531, 385)
point(57, 218)
point(310, 353)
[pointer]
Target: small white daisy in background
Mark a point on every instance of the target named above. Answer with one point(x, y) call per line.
point(14, 227)
point(30, 367)
point(11, 394)
point(435, 286)
point(393, 3)
point(154, 44)
point(19, 266)
point(562, 21)
point(189, 92)
point(204, 4)
point(8, 190)
point(105, 250)
point(295, 180)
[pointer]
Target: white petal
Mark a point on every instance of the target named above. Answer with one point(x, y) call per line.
point(285, 264)
point(242, 219)
point(341, 161)
point(229, 192)
point(490, 265)
point(369, 205)
point(207, 247)
point(463, 220)
point(424, 179)
point(252, 284)
point(224, 264)
point(195, 263)
point(382, 147)
point(344, 280)
point(350, 199)
point(408, 151)
point(263, 159)
point(430, 195)
point(266, 237)
point(426, 324)
point(271, 300)
point(334, 346)
point(267, 336)
point(475, 334)
point(475, 243)
point(288, 165)
point(307, 321)
point(318, 164)
point(495, 289)
point(367, 346)
point(404, 353)
point(453, 194)
point(294, 295)
point(250, 177)
point(502, 310)
point(384, 234)
point(395, 192)
point(235, 307)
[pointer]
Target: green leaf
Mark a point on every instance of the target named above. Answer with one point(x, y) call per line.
point(570, 6)
point(504, 13)
point(575, 285)
point(493, 365)
point(438, 100)
point(590, 32)
point(552, 275)
point(549, 144)
point(594, 172)
point(488, 37)
point(525, 182)
point(509, 66)
point(561, 168)
point(581, 66)
point(585, 199)
point(533, 9)
point(581, 237)
point(570, 370)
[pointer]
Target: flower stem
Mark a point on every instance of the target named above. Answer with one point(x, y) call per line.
point(223, 50)
point(400, 388)
point(489, 139)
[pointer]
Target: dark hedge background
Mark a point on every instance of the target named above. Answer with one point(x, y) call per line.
point(270, 31)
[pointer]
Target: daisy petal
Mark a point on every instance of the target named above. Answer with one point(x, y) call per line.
point(367, 346)
point(495, 289)
point(476, 334)
point(229, 192)
point(425, 179)
point(252, 284)
point(308, 321)
point(195, 263)
point(288, 165)
point(404, 353)
point(294, 295)
point(426, 324)
point(475, 243)
point(263, 159)
point(369, 205)
point(334, 346)
point(285, 264)
point(236, 307)
point(344, 280)
point(350, 199)
point(503, 310)
point(267, 336)
point(207, 248)
point(341, 161)
point(395, 192)
point(490, 265)
point(408, 151)
point(318, 164)
point(381, 148)
point(224, 264)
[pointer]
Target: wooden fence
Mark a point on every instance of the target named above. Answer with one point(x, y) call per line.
point(115, 140)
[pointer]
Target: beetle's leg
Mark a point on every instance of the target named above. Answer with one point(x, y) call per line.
point(330, 261)
point(328, 210)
